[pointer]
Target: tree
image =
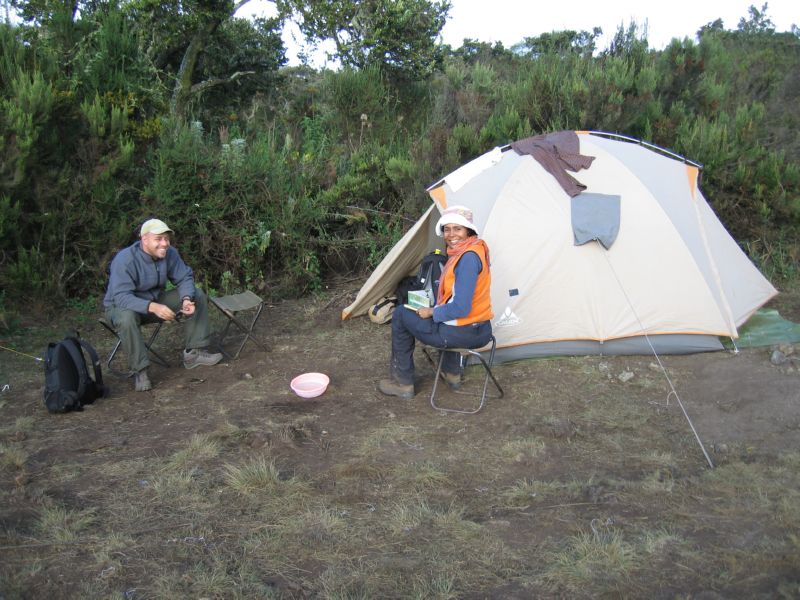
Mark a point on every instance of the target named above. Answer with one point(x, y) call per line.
point(399, 36)
point(582, 43)
point(712, 27)
point(195, 43)
point(758, 22)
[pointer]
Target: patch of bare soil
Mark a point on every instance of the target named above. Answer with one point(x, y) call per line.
point(578, 449)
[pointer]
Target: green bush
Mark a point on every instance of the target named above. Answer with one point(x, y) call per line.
point(279, 180)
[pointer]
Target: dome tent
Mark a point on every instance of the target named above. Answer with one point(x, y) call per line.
point(624, 256)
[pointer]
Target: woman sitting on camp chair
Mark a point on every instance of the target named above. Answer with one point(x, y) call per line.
point(461, 316)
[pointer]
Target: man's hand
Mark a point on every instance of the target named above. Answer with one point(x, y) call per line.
point(187, 308)
point(162, 311)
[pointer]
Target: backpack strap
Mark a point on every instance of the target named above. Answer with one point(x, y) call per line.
point(98, 374)
point(73, 346)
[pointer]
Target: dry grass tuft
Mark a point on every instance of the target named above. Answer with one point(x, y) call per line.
point(659, 541)
point(522, 449)
point(419, 476)
point(392, 434)
point(601, 559)
point(200, 447)
point(228, 431)
point(12, 457)
point(527, 491)
point(658, 481)
point(256, 476)
point(60, 524)
point(260, 476)
point(171, 486)
point(24, 424)
point(406, 517)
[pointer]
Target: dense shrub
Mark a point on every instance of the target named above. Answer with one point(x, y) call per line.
point(279, 180)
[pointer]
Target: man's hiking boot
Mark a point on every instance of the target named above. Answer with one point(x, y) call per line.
point(141, 381)
point(392, 388)
point(200, 357)
point(453, 380)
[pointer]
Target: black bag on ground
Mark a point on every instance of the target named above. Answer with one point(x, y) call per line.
point(67, 383)
point(427, 277)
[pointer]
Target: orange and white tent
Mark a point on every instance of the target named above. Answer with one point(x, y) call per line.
point(636, 262)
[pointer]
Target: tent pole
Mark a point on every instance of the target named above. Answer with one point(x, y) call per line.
point(647, 145)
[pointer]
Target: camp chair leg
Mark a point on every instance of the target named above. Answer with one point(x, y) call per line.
point(230, 305)
point(248, 332)
point(486, 367)
point(157, 358)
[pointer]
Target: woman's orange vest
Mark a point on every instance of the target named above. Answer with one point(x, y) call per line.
point(482, 299)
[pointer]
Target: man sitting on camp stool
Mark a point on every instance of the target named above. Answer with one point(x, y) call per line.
point(137, 294)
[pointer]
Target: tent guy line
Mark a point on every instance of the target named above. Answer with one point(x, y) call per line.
point(673, 391)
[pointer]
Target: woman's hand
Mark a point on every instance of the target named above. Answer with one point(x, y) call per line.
point(424, 313)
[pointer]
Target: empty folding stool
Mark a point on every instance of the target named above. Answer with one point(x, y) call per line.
point(231, 306)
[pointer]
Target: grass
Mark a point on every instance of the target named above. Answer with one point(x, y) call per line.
point(63, 525)
point(257, 476)
point(200, 447)
point(599, 559)
point(522, 449)
point(12, 457)
point(574, 485)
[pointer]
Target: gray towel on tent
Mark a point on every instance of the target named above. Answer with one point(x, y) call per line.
point(595, 217)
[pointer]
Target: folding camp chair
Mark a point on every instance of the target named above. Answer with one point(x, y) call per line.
point(487, 366)
point(230, 306)
point(148, 344)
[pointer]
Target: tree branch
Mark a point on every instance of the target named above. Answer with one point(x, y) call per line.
point(238, 5)
point(208, 83)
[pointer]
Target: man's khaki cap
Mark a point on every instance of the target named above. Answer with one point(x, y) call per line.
point(155, 226)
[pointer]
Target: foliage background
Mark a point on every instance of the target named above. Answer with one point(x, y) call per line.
point(278, 177)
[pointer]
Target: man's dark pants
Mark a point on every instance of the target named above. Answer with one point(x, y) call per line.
point(127, 324)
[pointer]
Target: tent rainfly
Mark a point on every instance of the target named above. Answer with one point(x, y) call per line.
point(629, 259)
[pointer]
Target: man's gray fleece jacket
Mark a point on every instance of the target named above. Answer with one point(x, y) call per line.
point(137, 279)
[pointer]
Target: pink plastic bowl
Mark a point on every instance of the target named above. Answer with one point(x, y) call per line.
point(310, 385)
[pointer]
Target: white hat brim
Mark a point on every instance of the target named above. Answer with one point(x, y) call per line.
point(454, 219)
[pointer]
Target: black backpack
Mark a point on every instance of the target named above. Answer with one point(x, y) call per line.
point(427, 277)
point(67, 384)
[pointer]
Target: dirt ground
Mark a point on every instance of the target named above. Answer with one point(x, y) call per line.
point(742, 406)
point(733, 398)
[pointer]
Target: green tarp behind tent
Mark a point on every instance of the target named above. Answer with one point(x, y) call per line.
point(767, 327)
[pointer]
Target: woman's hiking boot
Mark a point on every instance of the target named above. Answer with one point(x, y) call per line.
point(453, 380)
point(390, 387)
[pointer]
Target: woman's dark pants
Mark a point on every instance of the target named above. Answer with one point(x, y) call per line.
point(407, 327)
